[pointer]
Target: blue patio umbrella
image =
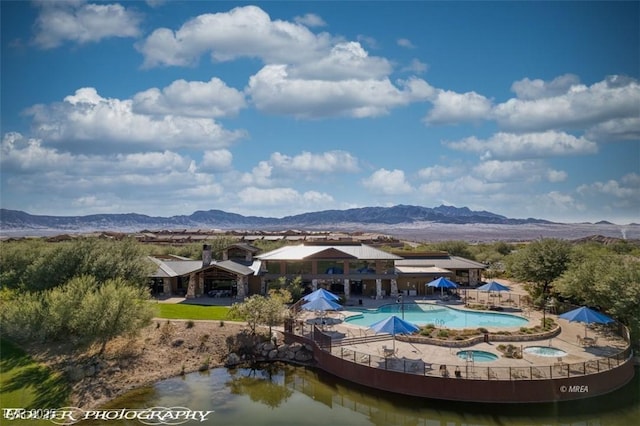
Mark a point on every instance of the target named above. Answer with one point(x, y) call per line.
point(394, 325)
point(442, 283)
point(321, 292)
point(321, 304)
point(493, 286)
point(587, 316)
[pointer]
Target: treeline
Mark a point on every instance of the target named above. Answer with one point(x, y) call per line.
point(91, 289)
point(84, 291)
point(599, 276)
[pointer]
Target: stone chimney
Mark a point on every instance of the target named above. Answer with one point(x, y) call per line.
point(206, 255)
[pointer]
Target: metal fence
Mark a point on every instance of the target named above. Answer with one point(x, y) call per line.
point(466, 370)
point(470, 370)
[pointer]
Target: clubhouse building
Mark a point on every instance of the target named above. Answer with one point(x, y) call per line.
point(348, 268)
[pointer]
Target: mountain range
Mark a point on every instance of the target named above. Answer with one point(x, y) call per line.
point(218, 219)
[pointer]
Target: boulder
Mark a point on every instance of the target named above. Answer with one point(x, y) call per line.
point(268, 346)
point(303, 356)
point(75, 373)
point(232, 359)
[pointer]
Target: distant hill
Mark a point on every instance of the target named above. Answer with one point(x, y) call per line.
point(400, 214)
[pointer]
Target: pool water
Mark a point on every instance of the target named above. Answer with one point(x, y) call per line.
point(547, 351)
point(477, 356)
point(440, 316)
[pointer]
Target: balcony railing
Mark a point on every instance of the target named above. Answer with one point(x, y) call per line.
point(463, 370)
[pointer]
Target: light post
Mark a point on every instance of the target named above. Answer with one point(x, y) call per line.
point(401, 302)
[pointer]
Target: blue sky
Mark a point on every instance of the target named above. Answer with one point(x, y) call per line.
point(525, 109)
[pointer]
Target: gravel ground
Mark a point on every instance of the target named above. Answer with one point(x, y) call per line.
point(164, 349)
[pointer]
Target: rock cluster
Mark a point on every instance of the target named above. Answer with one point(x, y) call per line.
point(294, 352)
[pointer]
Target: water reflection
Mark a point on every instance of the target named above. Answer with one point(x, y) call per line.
point(260, 385)
point(286, 395)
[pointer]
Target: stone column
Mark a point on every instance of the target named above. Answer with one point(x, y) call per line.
point(191, 288)
point(241, 293)
point(378, 288)
point(166, 286)
point(263, 286)
point(394, 288)
point(200, 289)
point(347, 289)
point(473, 277)
point(314, 284)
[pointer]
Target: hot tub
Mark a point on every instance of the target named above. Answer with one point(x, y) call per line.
point(547, 351)
point(477, 356)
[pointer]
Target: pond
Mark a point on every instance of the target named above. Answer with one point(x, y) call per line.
point(282, 395)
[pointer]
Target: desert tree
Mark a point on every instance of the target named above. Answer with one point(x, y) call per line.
point(600, 277)
point(260, 310)
point(82, 311)
point(539, 264)
point(37, 266)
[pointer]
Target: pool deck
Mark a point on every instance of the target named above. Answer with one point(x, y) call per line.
point(607, 345)
point(567, 341)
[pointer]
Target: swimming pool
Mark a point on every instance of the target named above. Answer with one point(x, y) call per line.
point(547, 351)
point(477, 356)
point(438, 315)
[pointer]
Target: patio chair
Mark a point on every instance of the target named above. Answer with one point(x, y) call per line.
point(580, 340)
point(388, 352)
point(443, 371)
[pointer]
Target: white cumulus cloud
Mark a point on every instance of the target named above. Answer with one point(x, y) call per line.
point(387, 182)
point(190, 98)
point(529, 145)
point(579, 106)
point(242, 32)
point(324, 163)
point(90, 122)
point(81, 23)
point(451, 107)
point(273, 90)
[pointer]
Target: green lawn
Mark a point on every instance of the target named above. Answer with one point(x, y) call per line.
point(192, 312)
point(26, 384)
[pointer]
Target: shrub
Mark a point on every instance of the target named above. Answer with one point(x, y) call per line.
point(443, 333)
point(205, 364)
point(190, 324)
point(166, 332)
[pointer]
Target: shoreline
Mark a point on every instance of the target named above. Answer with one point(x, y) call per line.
point(165, 349)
